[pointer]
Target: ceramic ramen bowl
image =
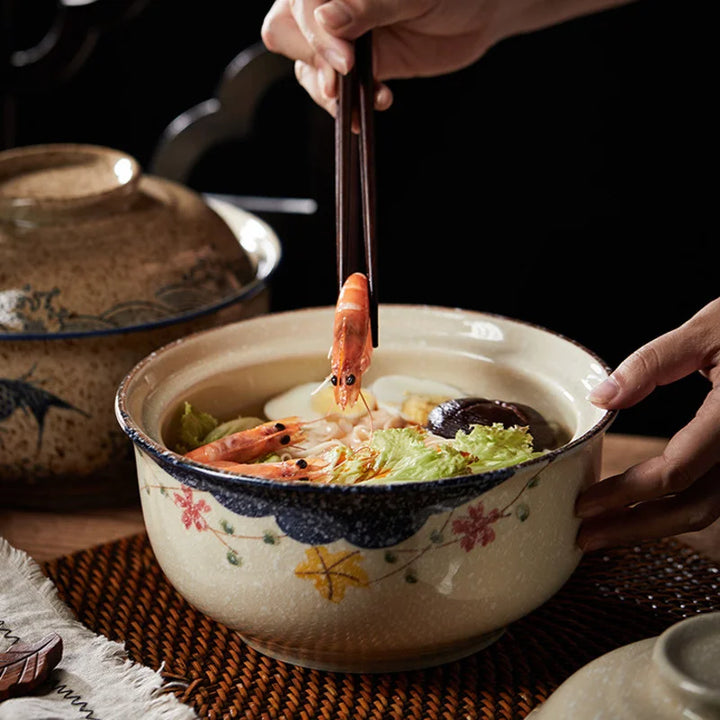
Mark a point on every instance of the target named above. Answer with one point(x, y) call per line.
point(365, 577)
point(99, 265)
point(674, 675)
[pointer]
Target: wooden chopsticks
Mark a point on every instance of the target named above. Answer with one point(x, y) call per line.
point(355, 97)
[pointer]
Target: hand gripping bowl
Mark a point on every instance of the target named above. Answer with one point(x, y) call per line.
point(365, 578)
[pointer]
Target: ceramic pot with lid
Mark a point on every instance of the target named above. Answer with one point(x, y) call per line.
point(99, 265)
point(676, 675)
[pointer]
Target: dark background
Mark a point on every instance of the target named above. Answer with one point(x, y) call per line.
point(568, 178)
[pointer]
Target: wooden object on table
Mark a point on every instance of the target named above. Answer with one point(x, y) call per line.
point(615, 597)
point(26, 666)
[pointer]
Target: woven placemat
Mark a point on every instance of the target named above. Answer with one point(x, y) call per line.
point(613, 598)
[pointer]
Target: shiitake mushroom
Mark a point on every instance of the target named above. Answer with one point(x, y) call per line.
point(459, 414)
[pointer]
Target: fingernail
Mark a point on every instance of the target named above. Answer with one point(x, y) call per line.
point(336, 60)
point(383, 98)
point(327, 81)
point(333, 15)
point(604, 392)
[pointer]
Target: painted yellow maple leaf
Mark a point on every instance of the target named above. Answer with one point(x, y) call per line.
point(332, 573)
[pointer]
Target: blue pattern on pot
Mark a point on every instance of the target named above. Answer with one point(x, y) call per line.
point(374, 527)
point(20, 394)
point(204, 287)
point(368, 516)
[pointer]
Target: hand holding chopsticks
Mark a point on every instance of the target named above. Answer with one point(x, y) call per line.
point(355, 97)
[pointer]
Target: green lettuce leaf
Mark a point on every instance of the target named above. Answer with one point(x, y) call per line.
point(199, 428)
point(402, 455)
point(194, 427)
point(495, 446)
point(397, 454)
point(409, 454)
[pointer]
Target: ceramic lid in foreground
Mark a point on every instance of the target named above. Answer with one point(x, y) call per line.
point(673, 676)
point(89, 244)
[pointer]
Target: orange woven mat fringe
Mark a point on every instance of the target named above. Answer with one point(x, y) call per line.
point(613, 599)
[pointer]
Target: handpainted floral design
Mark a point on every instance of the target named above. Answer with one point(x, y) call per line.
point(332, 573)
point(192, 511)
point(475, 527)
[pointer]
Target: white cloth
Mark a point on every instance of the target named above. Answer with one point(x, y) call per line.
point(94, 680)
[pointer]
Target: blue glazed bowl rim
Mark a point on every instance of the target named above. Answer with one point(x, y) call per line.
point(232, 481)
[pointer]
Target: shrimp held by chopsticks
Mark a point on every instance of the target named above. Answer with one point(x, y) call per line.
point(352, 342)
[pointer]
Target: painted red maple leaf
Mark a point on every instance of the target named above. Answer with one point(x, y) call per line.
point(475, 527)
point(192, 511)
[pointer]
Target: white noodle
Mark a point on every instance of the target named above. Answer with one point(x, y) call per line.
point(338, 431)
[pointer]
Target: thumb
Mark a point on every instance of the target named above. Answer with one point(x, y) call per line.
point(664, 360)
point(348, 20)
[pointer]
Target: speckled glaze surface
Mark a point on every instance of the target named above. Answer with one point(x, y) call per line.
point(87, 242)
point(100, 265)
point(365, 578)
point(674, 676)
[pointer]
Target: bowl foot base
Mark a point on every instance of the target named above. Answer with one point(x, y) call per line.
point(392, 661)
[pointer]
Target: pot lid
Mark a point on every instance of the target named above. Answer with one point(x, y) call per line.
point(90, 244)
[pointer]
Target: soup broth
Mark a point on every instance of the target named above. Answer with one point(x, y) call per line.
point(244, 391)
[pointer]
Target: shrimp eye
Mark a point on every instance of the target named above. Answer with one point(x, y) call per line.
point(333, 380)
point(301, 463)
point(285, 439)
point(350, 380)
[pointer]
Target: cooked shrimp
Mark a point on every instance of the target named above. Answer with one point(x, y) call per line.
point(352, 342)
point(303, 469)
point(249, 445)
